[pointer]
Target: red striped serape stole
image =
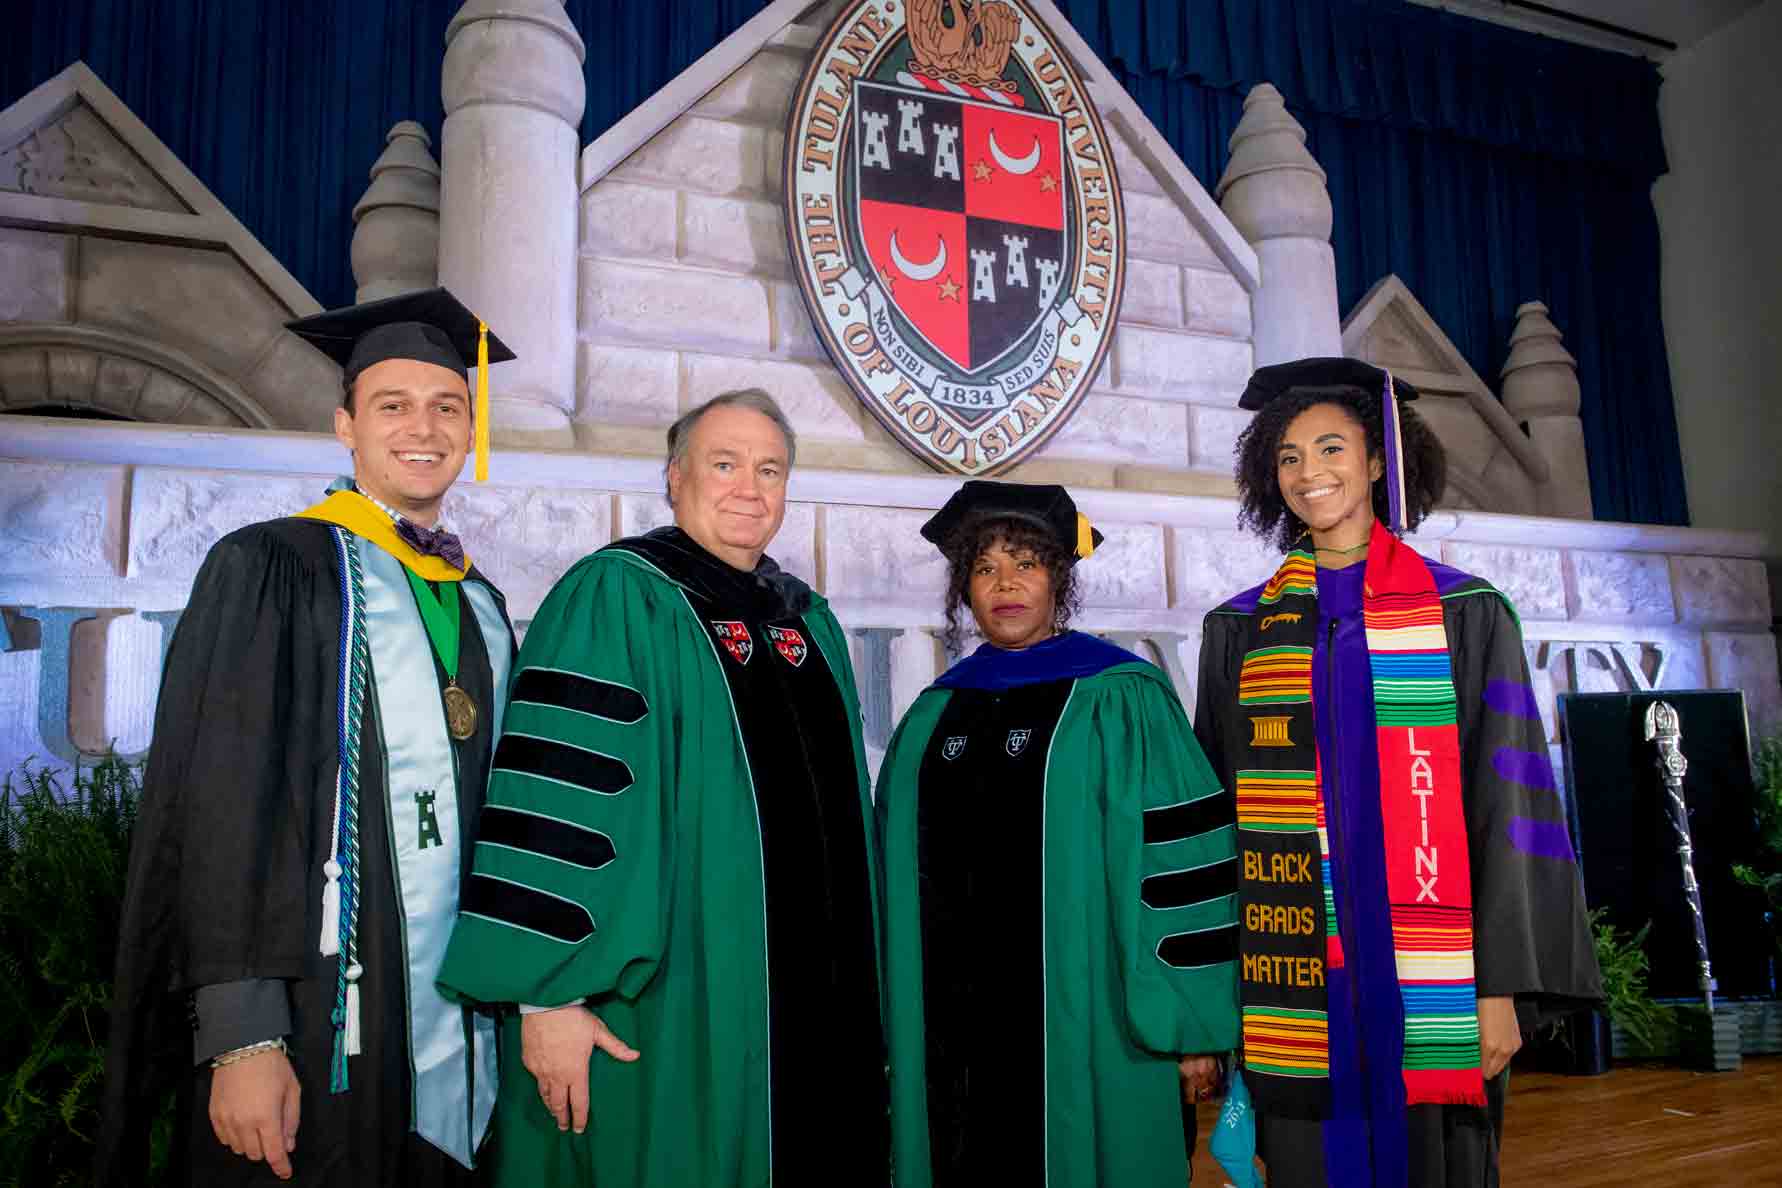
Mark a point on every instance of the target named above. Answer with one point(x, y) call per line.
point(1428, 883)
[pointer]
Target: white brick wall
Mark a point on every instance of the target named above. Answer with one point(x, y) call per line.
point(1625, 587)
point(813, 396)
point(710, 156)
point(1533, 579)
point(627, 386)
point(673, 307)
point(1594, 620)
point(1109, 428)
point(624, 220)
point(65, 519)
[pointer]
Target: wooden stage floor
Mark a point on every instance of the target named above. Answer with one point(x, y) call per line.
point(1640, 1125)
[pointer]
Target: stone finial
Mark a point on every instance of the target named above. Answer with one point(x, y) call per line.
point(1272, 186)
point(1273, 192)
point(396, 234)
point(508, 206)
point(1540, 378)
point(524, 52)
point(1540, 389)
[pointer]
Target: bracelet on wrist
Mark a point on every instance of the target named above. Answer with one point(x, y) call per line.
point(237, 1055)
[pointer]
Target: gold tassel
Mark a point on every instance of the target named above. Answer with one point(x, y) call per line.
point(482, 401)
point(1085, 536)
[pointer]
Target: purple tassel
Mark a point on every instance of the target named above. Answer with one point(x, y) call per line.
point(1395, 460)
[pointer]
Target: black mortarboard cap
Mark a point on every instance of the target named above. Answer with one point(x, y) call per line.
point(431, 325)
point(1048, 507)
point(1319, 375)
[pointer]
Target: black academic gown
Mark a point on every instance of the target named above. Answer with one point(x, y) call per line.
point(225, 879)
point(1530, 937)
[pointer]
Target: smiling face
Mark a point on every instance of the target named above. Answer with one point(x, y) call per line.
point(409, 432)
point(729, 489)
point(1011, 596)
point(1327, 477)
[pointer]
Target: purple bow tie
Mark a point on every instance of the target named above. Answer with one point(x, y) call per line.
point(432, 542)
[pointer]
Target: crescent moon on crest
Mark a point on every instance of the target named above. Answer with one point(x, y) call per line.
point(918, 272)
point(1017, 167)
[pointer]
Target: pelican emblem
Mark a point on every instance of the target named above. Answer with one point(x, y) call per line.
point(919, 272)
point(1017, 167)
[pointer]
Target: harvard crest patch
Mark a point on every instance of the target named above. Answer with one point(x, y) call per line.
point(955, 223)
point(790, 644)
point(734, 635)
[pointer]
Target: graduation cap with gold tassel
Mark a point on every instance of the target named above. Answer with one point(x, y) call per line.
point(430, 326)
point(1048, 507)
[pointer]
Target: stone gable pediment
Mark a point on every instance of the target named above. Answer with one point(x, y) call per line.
point(1492, 464)
point(132, 290)
point(77, 156)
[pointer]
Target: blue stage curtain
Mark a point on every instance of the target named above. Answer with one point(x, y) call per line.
point(1484, 166)
point(281, 108)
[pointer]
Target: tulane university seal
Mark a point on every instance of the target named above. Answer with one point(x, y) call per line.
point(955, 224)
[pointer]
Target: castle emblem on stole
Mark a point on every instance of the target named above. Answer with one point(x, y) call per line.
point(955, 223)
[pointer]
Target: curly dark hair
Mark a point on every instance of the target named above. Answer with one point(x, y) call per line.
point(1264, 511)
point(968, 541)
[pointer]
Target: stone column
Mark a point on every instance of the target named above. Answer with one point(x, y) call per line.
point(396, 224)
point(1273, 191)
point(1540, 389)
point(513, 91)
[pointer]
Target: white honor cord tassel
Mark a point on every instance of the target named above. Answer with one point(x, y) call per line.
point(352, 1020)
point(331, 909)
point(331, 868)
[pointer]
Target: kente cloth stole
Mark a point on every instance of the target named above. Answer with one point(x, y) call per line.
point(1290, 935)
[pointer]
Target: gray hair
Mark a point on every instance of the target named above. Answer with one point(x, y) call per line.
point(753, 399)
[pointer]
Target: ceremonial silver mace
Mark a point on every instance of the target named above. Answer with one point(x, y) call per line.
point(1664, 727)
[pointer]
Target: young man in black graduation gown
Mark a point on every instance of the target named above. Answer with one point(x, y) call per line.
point(285, 912)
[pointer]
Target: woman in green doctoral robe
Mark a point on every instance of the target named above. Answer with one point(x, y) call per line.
point(1060, 873)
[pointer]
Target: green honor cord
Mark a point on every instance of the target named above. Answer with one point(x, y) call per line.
point(440, 615)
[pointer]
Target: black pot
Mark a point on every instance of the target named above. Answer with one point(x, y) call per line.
point(1592, 1044)
point(1580, 1044)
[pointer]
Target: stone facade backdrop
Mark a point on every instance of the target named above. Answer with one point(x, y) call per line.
point(648, 272)
point(98, 552)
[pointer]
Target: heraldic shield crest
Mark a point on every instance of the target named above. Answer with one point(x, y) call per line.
point(955, 222)
point(734, 635)
point(789, 643)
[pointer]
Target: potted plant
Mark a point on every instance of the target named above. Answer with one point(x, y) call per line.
point(1643, 1029)
point(1763, 1020)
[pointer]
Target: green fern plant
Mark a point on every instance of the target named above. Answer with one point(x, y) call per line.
point(63, 854)
point(1764, 873)
point(1622, 958)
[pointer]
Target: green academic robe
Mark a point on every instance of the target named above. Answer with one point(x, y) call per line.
point(1060, 928)
point(678, 832)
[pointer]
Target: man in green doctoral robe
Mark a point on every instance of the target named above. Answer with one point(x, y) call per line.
point(677, 854)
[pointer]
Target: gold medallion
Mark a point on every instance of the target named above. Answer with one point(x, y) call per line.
point(460, 713)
